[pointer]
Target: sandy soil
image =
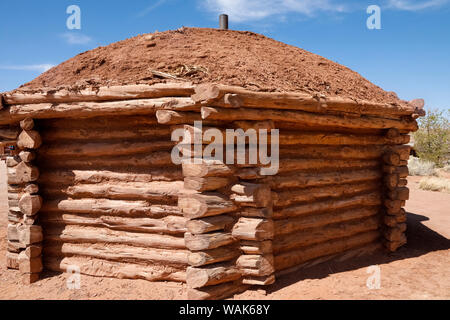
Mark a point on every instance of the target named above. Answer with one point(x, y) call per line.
point(200, 55)
point(418, 271)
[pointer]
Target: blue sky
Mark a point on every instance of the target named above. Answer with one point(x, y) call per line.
point(410, 55)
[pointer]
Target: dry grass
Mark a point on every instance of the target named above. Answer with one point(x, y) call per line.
point(418, 167)
point(435, 184)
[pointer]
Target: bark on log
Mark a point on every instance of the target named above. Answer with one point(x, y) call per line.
point(205, 225)
point(296, 257)
point(168, 225)
point(103, 268)
point(253, 229)
point(287, 198)
point(367, 122)
point(211, 275)
point(138, 91)
point(204, 205)
point(307, 237)
point(114, 252)
point(372, 199)
point(103, 235)
point(202, 258)
point(291, 225)
point(110, 207)
point(207, 241)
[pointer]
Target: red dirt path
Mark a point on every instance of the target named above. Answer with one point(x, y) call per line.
point(230, 57)
point(418, 271)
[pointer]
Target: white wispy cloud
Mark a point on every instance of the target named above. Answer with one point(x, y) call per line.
point(30, 67)
point(151, 7)
point(247, 10)
point(414, 5)
point(76, 38)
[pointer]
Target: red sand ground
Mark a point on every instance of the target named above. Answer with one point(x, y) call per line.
point(418, 271)
point(236, 58)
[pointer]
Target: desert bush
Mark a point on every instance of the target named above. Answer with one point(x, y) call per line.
point(432, 140)
point(435, 184)
point(419, 167)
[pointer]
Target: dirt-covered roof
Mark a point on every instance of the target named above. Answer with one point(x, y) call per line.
point(197, 55)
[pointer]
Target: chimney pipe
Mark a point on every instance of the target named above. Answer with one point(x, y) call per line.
point(223, 22)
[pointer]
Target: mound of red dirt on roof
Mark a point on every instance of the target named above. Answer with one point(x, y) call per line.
point(196, 55)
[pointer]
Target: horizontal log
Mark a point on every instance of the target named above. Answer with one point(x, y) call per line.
point(256, 265)
point(115, 252)
point(73, 233)
point(71, 177)
point(204, 205)
point(296, 257)
point(256, 247)
point(391, 181)
point(99, 123)
point(367, 122)
point(206, 184)
point(248, 212)
point(154, 191)
point(106, 133)
point(202, 258)
point(392, 159)
point(401, 193)
point(110, 207)
point(170, 117)
point(395, 245)
point(104, 149)
point(16, 113)
point(372, 199)
point(218, 292)
point(7, 133)
point(253, 229)
point(208, 241)
point(395, 234)
point(333, 152)
point(102, 268)
point(289, 165)
point(110, 93)
point(209, 224)
point(211, 275)
point(295, 138)
point(22, 173)
point(290, 197)
point(155, 159)
point(297, 101)
point(403, 171)
point(307, 237)
point(305, 179)
point(291, 225)
point(165, 225)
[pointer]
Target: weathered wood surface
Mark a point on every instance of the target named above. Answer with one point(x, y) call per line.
point(16, 113)
point(289, 197)
point(110, 207)
point(217, 292)
point(206, 168)
point(289, 165)
point(72, 233)
point(299, 101)
point(211, 275)
point(367, 122)
point(256, 265)
point(127, 92)
point(293, 224)
point(295, 257)
point(206, 184)
point(209, 224)
point(208, 241)
point(288, 242)
point(103, 268)
point(164, 225)
point(253, 229)
point(371, 199)
point(7, 133)
point(117, 252)
point(204, 205)
point(207, 257)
